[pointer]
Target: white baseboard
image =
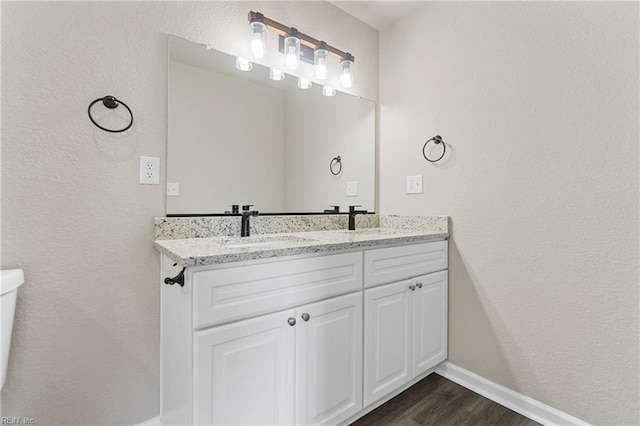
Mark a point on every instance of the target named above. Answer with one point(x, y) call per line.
point(528, 407)
point(151, 422)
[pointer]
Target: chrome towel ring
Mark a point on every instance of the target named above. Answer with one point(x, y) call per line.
point(335, 161)
point(437, 139)
point(111, 103)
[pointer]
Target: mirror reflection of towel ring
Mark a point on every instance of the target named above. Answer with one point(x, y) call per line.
point(111, 103)
point(336, 160)
point(437, 139)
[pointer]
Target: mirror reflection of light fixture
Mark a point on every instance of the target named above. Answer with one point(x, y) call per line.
point(297, 47)
point(303, 83)
point(243, 64)
point(292, 50)
point(276, 74)
point(320, 61)
point(258, 35)
point(346, 75)
point(328, 91)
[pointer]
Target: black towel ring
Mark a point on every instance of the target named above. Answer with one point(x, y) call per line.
point(336, 160)
point(437, 140)
point(111, 103)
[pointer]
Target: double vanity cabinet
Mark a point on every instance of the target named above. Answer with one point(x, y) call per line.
point(314, 338)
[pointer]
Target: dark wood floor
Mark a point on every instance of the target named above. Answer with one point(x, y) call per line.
point(438, 401)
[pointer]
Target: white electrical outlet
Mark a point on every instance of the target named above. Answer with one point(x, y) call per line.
point(352, 189)
point(173, 189)
point(414, 184)
point(150, 170)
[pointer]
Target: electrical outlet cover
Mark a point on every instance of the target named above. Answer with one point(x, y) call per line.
point(150, 170)
point(173, 189)
point(414, 184)
point(352, 189)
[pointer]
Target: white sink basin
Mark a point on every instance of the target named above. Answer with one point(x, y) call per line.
point(262, 241)
point(255, 244)
point(373, 231)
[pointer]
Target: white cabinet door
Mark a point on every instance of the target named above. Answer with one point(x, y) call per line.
point(329, 360)
point(244, 372)
point(387, 340)
point(429, 321)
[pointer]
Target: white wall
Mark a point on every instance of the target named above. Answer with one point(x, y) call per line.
point(347, 130)
point(538, 103)
point(86, 337)
point(206, 142)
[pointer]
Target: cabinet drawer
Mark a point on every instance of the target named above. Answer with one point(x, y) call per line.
point(232, 293)
point(391, 264)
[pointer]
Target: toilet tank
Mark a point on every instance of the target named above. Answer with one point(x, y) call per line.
point(10, 280)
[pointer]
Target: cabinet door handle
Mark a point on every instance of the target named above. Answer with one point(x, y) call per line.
point(412, 287)
point(305, 316)
point(419, 285)
point(291, 321)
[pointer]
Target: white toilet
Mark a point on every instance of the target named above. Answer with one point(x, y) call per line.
point(10, 280)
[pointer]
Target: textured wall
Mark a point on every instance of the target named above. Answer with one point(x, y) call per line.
point(86, 338)
point(539, 105)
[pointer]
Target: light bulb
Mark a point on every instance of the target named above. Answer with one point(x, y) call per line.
point(243, 64)
point(303, 83)
point(321, 71)
point(346, 80)
point(291, 60)
point(328, 91)
point(346, 76)
point(292, 50)
point(276, 74)
point(257, 48)
point(258, 30)
point(320, 61)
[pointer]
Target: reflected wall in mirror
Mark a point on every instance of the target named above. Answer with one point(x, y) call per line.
point(239, 137)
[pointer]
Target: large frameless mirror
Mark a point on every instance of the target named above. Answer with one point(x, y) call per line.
point(241, 137)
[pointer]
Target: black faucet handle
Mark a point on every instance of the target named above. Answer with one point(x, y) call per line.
point(247, 207)
point(353, 208)
point(335, 209)
point(235, 209)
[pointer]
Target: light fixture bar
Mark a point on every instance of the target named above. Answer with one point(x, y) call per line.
point(284, 30)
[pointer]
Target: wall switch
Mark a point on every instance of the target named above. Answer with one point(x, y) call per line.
point(173, 189)
point(150, 170)
point(352, 189)
point(414, 184)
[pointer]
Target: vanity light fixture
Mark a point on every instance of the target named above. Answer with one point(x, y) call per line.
point(292, 50)
point(328, 91)
point(297, 47)
point(243, 64)
point(346, 75)
point(276, 74)
point(303, 83)
point(258, 35)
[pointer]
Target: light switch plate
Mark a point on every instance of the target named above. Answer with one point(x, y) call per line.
point(173, 189)
point(352, 189)
point(150, 170)
point(414, 184)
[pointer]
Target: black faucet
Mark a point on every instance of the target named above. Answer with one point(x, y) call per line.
point(352, 216)
point(335, 209)
point(246, 215)
point(234, 210)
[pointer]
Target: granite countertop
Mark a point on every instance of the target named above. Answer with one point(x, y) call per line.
point(213, 250)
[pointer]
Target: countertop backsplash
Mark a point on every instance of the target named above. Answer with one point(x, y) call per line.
point(171, 228)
